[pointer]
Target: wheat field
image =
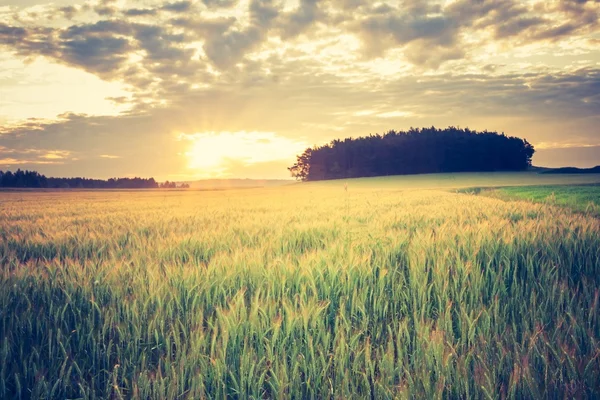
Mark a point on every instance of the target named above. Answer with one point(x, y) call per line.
point(303, 291)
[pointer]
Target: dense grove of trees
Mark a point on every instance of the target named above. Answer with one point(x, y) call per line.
point(33, 179)
point(416, 151)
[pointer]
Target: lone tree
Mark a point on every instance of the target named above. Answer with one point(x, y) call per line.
point(301, 168)
point(416, 151)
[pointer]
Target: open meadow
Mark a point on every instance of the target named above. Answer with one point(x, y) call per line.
point(395, 287)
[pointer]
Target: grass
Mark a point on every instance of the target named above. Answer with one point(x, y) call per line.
point(465, 180)
point(302, 291)
point(581, 198)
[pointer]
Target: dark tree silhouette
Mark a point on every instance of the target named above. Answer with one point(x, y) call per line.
point(416, 151)
point(301, 168)
point(168, 185)
point(33, 179)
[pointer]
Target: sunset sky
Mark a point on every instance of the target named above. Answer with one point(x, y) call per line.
point(224, 88)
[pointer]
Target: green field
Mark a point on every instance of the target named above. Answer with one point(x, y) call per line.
point(385, 288)
point(582, 198)
point(464, 180)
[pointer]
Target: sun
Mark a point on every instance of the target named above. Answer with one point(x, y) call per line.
point(212, 153)
point(209, 152)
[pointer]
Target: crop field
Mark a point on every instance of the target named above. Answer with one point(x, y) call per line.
point(378, 288)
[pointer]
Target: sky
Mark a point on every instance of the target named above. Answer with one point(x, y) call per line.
point(196, 89)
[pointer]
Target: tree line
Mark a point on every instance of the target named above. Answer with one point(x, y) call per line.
point(33, 179)
point(416, 151)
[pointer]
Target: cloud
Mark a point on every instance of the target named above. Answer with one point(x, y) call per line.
point(137, 12)
point(427, 33)
point(139, 141)
point(101, 53)
point(31, 156)
point(69, 11)
point(298, 21)
point(431, 34)
point(159, 44)
point(11, 35)
point(55, 154)
point(516, 26)
point(549, 96)
point(428, 36)
point(105, 11)
point(9, 162)
point(219, 3)
point(178, 7)
point(226, 44)
point(140, 54)
point(229, 48)
point(262, 12)
point(562, 145)
point(93, 47)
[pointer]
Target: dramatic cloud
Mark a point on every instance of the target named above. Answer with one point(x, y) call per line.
point(178, 7)
point(219, 3)
point(304, 71)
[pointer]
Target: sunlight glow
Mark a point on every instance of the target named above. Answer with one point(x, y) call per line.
point(212, 153)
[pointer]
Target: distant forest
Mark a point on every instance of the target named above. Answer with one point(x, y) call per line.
point(33, 179)
point(416, 151)
point(572, 170)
